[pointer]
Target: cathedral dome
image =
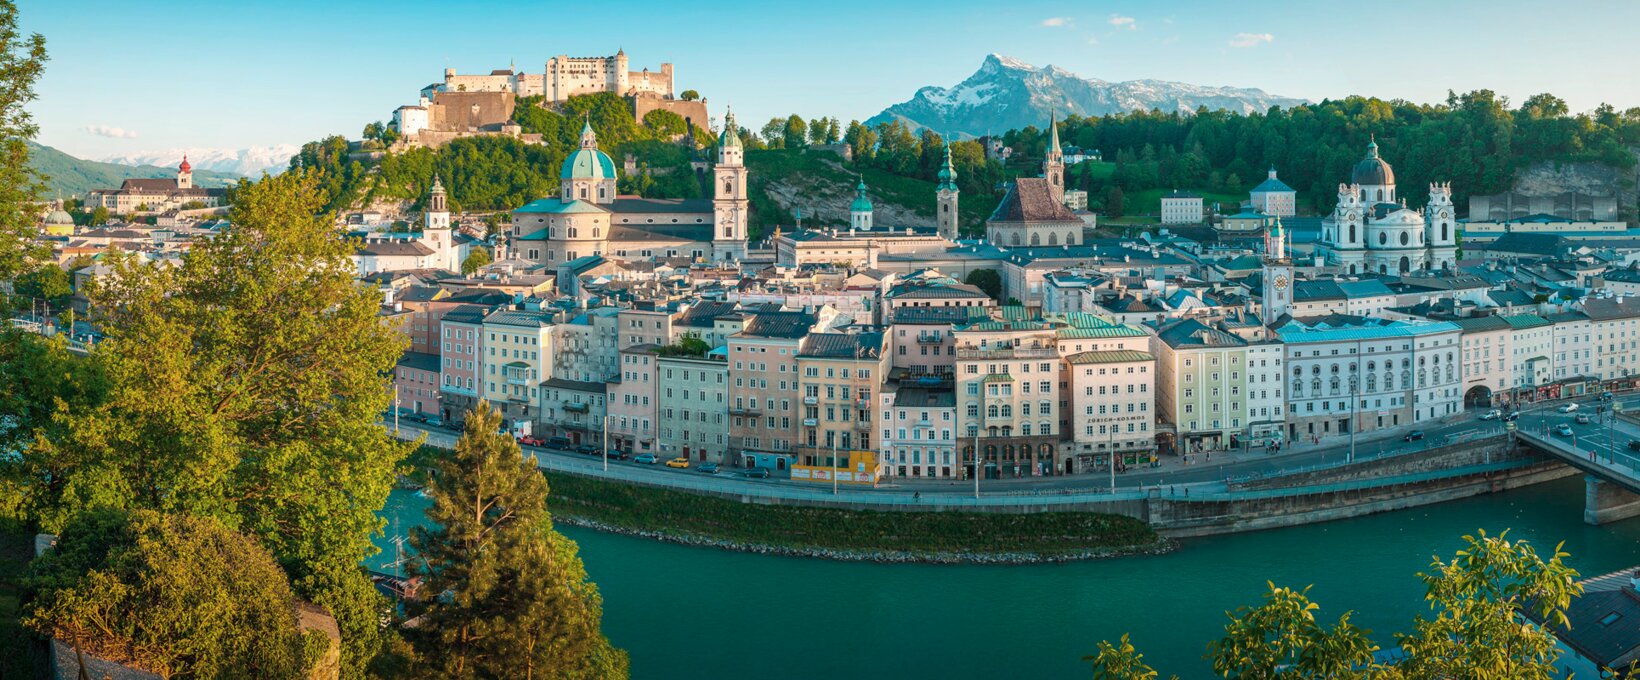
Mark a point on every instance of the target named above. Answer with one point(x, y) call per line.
point(1372, 170)
point(59, 216)
point(588, 164)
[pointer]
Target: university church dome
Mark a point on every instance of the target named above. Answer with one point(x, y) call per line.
point(1372, 170)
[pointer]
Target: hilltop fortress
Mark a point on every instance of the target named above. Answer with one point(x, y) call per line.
point(464, 105)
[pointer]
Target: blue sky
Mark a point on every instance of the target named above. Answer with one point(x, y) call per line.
point(139, 75)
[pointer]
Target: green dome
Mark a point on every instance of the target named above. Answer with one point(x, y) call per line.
point(59, 217)
point(948, 174)
point(730, 136)
point(588, 164)
point(861, 203)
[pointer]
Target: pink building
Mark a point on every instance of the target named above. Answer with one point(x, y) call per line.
point(461, 360)
point(415, 381)
point(633, 401)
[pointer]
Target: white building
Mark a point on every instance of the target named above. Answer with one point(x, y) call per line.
point(1369, 231)
point(1182, 207)
point(919, 429)
point(1112, 407)
point(1358, 374)
point(1274, 198)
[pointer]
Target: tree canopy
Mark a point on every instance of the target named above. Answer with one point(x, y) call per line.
point(243, 385)
point(177, 595)
point(22, 60)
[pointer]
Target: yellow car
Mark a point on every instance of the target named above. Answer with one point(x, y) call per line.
point(678, 463)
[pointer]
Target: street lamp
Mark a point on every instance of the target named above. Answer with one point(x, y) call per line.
point(606, 437)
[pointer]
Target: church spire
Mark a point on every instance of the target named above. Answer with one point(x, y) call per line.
point(1053, 133)
point(948, 174)
point(731, 135)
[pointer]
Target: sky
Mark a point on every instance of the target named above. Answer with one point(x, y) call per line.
point(132, 76)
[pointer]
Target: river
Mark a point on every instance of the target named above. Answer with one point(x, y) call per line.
point(686, 612)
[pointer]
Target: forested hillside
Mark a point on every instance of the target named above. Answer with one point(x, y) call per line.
point(1474, 140)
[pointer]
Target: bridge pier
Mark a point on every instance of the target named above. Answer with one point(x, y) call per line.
point(1606, 502)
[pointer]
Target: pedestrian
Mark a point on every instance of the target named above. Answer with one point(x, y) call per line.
point(1187, 492)
point(916, 496)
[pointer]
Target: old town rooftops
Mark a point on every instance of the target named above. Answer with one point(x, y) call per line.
point(1343, 327)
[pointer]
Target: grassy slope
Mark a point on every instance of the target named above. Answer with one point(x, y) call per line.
point(70, 176)
point(644, 508)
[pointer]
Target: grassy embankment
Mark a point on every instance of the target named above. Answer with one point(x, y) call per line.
point(639, 508)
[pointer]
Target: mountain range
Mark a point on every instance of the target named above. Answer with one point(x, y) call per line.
point(1006, 93)
point(250, 161)
point(68, 176)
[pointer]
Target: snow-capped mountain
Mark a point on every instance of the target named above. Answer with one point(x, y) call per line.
point(249, 161)
point(1006, 93)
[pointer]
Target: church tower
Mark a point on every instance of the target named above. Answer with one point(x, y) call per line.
point(185, 174)
point(947, 197)
point(588, 174)
point(729, 201)
point(1441, 225)
point(859, 212)
point(1278, 274)
point(436, 228)
point(1053, 162)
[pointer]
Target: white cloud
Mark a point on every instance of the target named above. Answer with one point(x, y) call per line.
point(111, 131)
point(1120, 21)
point(1056, 22)
point(1250, 39)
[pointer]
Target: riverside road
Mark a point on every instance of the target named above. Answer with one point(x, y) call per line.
point(1207, 471)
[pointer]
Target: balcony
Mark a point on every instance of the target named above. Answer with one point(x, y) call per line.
point(811, 422)
point(577, 408)
point(810, 401)
point(923, 424)
point(923, 339)
point(745, 411)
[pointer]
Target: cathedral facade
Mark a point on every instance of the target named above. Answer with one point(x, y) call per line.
point(1373, 231)
point(588, 217)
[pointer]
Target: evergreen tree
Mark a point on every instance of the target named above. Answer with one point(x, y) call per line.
point(510, 596)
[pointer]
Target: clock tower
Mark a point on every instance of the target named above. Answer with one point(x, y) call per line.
point(1278, 274)
point(729, 202)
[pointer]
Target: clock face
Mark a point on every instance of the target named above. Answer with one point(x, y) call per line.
point(1281, 282)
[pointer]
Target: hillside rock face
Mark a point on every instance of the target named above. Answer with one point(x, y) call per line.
point(1006, 93)
point(1546, 178)
point(825, 200)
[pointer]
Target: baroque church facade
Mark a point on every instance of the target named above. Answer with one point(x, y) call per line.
point(589, 218)
point(1373, 231)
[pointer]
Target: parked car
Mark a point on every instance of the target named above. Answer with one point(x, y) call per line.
point(1412, 436)
point(646, 459)
point(531, 440)
point(1634, 444)
point(617, 454)
point(586, 449)
point(708, 468)
point(1493, 414)
point(1563, 430)
point(558, 443)
point(1583, 419)
point(1567, 408)
point(433, 421)
point(679, 463)
point(756, 473)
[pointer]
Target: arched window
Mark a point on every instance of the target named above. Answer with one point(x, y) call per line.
point(728, 188)
point(1352, 234)
point(1334, 384)
point(991, 411)
point(1036, 239)
point(1406, 265)
point(1383, 238)
point(1443, 232)
point(1053, 239)
point(1403, 238)
point(1372, 382)
point(1316, 385)
point(1016, 239)
point(1298, 388)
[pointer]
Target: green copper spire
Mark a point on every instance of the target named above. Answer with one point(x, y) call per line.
point(861, 202)
point(731, 134)
point(589, 139)
point(948, 174)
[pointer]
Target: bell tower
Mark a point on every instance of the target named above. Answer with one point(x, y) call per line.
point(1441, 225)
point(946, 195)
point(729, 202)
point(1053, 161)
point(1278, 274)
point(436, 228)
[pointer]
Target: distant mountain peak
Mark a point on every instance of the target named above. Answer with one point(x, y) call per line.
point(249, 161)
point(1008, 93)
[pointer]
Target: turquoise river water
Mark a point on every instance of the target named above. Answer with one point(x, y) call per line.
point(686, 612)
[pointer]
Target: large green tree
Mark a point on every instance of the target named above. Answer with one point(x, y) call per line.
point(513, 600)
point(475, 261)
point(244, 386)
point(177, 595)
point(1479, 598)
point(22, 60)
